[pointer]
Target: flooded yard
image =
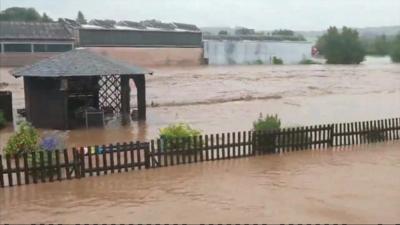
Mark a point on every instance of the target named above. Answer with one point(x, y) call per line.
point(229, 98)
point(342, 185)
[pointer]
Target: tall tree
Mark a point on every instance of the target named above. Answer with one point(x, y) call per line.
point(81, 18)
point(341, 47)
point(46, 18)
point(395, 49)
point(20, 14)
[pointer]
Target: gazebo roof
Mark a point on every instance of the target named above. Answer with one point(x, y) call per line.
point(78, 62)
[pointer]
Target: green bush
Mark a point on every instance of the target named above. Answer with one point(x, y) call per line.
point(341, 47)
point(308, 62)
point(395, 52)
point(267, 123)
point(277, 61)
point(269, 141)
point(2, 119)
point(26, 139)
point(373, 134)
point(182, 131)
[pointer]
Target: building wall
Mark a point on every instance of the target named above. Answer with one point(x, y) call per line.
point(22, 58)
point(152, 57)
point(45, 103)
point(254, 52)
point(135, 38)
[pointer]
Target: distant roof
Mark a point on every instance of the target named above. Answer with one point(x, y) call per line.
point(145, 25)
point(12, 30)
point(78, 62)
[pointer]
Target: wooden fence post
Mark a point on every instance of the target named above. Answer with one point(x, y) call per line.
point(1, 172)
point(147, 156)
point(76, 163)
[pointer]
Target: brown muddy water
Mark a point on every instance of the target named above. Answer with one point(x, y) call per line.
point(346, 185)
point(343, 185)
point(227, 98)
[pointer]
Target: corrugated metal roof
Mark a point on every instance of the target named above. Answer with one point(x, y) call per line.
point(78, 62)
point(33, 30)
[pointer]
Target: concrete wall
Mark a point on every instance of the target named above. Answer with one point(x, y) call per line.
point(252, 52)
point(150, 57)
point(22, 58)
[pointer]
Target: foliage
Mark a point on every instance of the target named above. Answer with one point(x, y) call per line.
point(269, 122)
point(379, 46)
point(181, 131)
point(373, 134)
point(23, 14)
point(26, 139)
point(283, 32)
point(308, 62)
point(288, 33)
point(244, 31)
point(341, 47)
point(47, 171)
point(258, 62)
point(395, 52)
point(223, 32)
point(2, 119)
point(277, 61)
point(46, 18)
point(81, 18)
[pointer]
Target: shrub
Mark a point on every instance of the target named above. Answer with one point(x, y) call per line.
point(258, 62)
point(308, 62)
point(277, 61)
point(182, 131)
point(341, 47)
point(268, 142)
point(395, 52)
point(373, 134)
point(268, 123)
point(2, 119)
point(24, 140)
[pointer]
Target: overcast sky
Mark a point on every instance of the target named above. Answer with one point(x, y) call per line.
point(258, 14)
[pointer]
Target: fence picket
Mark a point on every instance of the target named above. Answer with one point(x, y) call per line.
point(9, 173)
point(50, 168)
point(89, 156)
point(104, 163)
point(17, 168)
point(26, 168)
point(1, 172)
point(57, 165)
point(97, 160)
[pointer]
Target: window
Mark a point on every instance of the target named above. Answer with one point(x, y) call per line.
point(17, 47)
point(52, 47)
point(39, 48)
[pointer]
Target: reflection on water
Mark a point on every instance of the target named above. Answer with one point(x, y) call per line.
point(344, 185)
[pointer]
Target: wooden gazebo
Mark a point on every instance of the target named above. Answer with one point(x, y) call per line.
point(59, 88)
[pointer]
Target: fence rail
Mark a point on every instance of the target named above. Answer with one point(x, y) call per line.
point(61, 165)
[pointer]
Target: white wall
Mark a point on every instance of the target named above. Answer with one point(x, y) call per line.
point(248, 52)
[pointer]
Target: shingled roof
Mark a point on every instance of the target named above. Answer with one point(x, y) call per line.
point(78, 62)
point(16, 30)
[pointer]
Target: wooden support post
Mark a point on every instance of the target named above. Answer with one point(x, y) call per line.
point(141, 95)
point(125, 99)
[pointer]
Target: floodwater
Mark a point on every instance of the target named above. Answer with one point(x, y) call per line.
point(228, 98)
point(343, 185)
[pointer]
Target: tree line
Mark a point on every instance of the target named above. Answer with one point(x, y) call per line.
point(31, 15)
point(346, 47)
